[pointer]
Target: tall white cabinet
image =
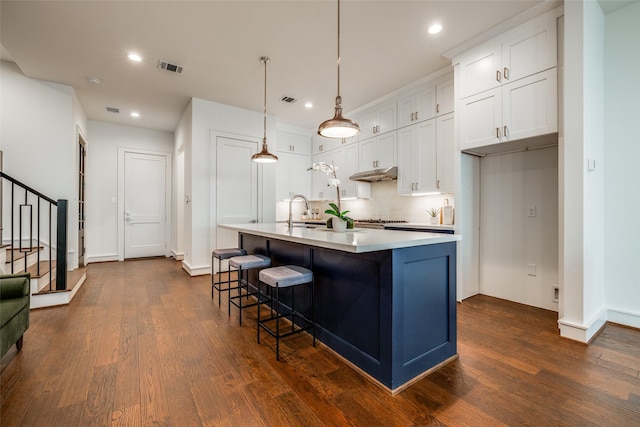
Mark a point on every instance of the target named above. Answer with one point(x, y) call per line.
point(294, 158)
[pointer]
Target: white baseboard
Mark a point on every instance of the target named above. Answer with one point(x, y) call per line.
point(101, 258)
point(583, 332)
point(623, 317)
point(196, 271)
point(177, 256)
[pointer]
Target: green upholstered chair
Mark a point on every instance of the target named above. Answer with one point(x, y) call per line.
point(14, 310)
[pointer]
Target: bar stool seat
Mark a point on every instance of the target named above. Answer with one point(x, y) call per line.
point(243, 264)
point(223, 254)
point(288, 276)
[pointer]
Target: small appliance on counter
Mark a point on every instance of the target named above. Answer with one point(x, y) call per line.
point(446, 213)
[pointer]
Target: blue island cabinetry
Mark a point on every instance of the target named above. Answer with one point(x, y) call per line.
point(391, 313)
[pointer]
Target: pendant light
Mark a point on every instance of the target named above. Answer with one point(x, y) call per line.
point(338, 126)
point(264, 156)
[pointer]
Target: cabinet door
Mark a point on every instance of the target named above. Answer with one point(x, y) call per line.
point(529, 49)
point(300, 144)
point(283, 187)
point(407, 160)
point(387, 150)
point(319, 179)
point(283, 142)
point(481, 119)
point(444, 97)
point(368, 154)
point(530, 106)
point(417, 106)
point(387, 118)
point(299, 176)
point(479, 69)
point(445, 154)
point(322, 144)
point(368, 123)
point(426, 156)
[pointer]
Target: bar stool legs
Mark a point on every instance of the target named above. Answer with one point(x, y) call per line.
point(216, 283)
point(277, 278)
point(243, 264)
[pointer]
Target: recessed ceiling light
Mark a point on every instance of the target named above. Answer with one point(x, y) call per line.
point(135, 114)
point(93, 80)
point(134, 57)
point(308, 105)
point(435, 29)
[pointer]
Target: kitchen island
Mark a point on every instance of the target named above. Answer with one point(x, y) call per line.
point(384, 300)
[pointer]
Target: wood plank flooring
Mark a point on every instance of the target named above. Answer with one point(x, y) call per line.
point(143, 344)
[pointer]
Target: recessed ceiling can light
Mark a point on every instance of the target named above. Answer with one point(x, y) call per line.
point(435, 29)
point(93, 80)
point(134, 57)
point(308, 105)
point(135, 114)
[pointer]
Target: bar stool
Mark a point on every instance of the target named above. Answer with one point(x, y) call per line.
point(243, 264)
point(288, 276)
point(222, 254)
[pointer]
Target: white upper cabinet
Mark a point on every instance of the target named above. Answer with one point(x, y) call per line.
point(322, 144)
point(345, 159)
point(417, 106)
point(294, 157)
point(292, 142)
point(379, 152)
point(522, 109)
point(319, 188)
point(507, 88)
point(528, 49)
point(426, 157)
point(378, 120)
point(444, 97)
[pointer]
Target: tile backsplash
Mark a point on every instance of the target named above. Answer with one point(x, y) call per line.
point(385, 203)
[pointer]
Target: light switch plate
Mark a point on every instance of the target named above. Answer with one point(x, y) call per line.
point(532, 211)
point(531, 269)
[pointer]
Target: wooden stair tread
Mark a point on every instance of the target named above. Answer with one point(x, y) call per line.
point(44, 269)
point(73, 278)
point(18, 255)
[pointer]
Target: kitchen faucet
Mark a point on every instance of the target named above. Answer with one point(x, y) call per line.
point(291, 200)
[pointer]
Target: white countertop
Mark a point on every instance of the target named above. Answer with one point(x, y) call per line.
point(357, 240)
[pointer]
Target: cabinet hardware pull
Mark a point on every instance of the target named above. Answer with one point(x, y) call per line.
point(497, 132)
point(498, 75)
point(437, 108)
point(412, 119)
point(320, 148)
point(416, 115)
point(506, 73)
point(438, 183)
point(506, 132)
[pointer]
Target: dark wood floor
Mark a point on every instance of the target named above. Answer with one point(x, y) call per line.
point(142, 343)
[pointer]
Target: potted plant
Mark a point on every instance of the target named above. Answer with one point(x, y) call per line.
point(433, 215)
point(343, 221)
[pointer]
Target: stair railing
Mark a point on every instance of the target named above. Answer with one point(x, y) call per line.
point(25, 225)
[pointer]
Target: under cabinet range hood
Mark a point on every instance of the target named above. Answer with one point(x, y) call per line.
point(385, 174)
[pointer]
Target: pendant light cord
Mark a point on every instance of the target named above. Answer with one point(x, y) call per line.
point(264, 110)
point(339, 52)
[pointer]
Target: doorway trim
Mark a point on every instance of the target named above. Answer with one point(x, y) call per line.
point(168, 202)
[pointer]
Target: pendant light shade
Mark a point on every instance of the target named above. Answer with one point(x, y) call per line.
point(264, 156)
point(338, 126)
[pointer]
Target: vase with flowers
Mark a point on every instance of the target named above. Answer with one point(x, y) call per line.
point(339, 220)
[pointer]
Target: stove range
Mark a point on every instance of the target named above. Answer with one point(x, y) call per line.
point(376, 223)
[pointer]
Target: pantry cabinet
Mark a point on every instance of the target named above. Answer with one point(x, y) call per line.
point(444, 97)
point(291, 175)
point(319, 188)
point(417, 106)
point(522, 109)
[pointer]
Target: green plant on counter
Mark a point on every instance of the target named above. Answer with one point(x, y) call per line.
point(336, 212)
point(433, 212)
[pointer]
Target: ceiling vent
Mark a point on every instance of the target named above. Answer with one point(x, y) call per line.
point(288, 99)
point(113, 110)
point(174, 68)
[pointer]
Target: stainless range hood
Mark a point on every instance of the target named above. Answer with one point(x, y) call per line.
point(386, 174)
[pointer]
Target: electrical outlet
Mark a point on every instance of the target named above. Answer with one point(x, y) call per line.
point(556, 293)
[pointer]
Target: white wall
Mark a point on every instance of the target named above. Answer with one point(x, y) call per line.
point(207, 119)
point(511, 239)
point(582, 190)
point(181, 148)
point(101, 232)
point(622, 152)
point(39, 122)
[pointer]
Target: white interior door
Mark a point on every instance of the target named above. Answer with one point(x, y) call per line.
point(236, 187)
point(144, 205)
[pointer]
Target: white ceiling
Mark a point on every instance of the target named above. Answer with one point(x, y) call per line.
point(385, 46)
